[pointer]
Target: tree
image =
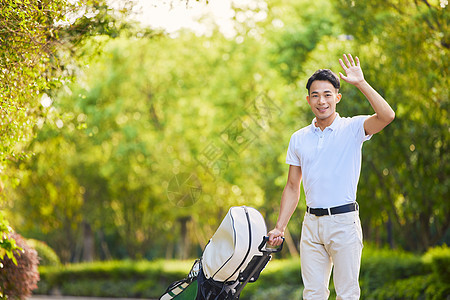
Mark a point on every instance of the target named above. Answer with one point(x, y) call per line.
point(126, 132)
point(143, 154)
point(403, 46)
point(33, 37)
point(407, 44)
point(33, 42)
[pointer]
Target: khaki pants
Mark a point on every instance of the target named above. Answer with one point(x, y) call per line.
point(327, 241)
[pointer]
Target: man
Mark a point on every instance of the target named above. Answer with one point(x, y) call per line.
point(327, 154)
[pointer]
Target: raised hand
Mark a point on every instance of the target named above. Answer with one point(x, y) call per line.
point(353, 72)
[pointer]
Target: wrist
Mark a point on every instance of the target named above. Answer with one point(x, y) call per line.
point(360, 84)
point(280, 228)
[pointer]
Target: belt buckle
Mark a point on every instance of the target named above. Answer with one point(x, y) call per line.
point(322, 212)
point(318, 212)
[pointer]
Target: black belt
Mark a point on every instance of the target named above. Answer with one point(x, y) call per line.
point(333, 210)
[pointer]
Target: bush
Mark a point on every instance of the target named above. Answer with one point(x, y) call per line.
point(279, 276)
point(384, 266)
point(148, 279)
point(385, 274)
point(131, 278)
point(439, 259)
point(47, 257)
point(17, 281)
point(425, 287)
point(99, 288)
point(278, 292)
point(397, 275)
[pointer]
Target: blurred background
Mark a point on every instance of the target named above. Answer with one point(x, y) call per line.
point(129, 128)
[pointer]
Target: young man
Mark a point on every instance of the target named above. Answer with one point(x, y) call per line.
point(327, 155)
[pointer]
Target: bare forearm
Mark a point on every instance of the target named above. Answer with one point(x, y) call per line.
point(382, 109)
point(289, 202)
point(384, 114)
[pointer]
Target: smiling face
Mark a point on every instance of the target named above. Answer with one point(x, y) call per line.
point(322, 98)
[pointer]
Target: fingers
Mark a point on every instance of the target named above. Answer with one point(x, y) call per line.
point(275, 238)
point(352, 62)
point(271, 238)
point(276, 241)
point(349, 61)
point(342, 64)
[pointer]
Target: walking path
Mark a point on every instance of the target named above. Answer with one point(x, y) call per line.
point(44, 297)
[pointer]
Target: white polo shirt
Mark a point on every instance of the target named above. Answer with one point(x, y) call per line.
point(330, 160)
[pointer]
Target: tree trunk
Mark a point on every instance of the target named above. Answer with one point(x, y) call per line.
point(104, 245)
point(390, 238)
point(88, 242)
point(169, 251)
point(184, 244)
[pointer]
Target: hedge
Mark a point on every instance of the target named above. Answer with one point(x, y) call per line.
point(47, 256)
point(385, 274)
point(145, 279)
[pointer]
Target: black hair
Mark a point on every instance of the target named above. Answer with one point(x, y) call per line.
point(325, 75)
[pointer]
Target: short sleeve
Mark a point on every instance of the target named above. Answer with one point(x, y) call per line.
point(358, 128)
point(292, 157)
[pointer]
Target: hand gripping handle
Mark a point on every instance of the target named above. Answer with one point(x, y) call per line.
point(263, 247)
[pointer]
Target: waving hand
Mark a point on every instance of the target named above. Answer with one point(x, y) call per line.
point(352, 69)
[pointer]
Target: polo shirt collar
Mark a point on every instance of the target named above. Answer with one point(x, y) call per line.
point(333, 125)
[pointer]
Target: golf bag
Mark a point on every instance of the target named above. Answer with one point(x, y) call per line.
point(184, 289)
point(234, 256)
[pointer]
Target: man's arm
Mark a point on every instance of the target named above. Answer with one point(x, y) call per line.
point(383, 112)
point(289, 202)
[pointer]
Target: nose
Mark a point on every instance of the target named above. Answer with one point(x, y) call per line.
point(321, 100)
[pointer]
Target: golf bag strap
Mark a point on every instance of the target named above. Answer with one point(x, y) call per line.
point(175, 289)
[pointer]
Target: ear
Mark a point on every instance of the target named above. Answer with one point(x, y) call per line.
point(307, 99)
point(338, 97)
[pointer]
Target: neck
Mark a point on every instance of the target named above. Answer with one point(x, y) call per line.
point(324, 123)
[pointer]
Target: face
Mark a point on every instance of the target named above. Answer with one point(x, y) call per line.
point(322, 98)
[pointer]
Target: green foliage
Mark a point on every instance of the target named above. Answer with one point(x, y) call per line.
point(385, 274)
point(417, 287)
point(403, 47)
point(391, 274)
point(135, 278)
point(26, 43)
point(285, 273)
point(8, 246)
point(381, 267)
point(35, 40)
point(124, 137)
point(277, 292)
point(146, 113)
point(304, 28)
point(47, 257)
point(439, 258)
point(406, 47)
point(104, 288)
point(149, 278)
point(34, 46)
